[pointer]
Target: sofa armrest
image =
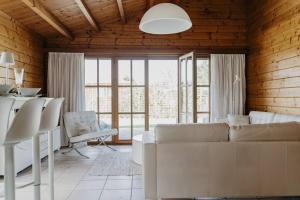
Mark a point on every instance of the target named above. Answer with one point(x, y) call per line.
point(149, 166)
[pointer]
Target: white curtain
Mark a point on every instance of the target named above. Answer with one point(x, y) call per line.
point(66, 79)
point(228, 85)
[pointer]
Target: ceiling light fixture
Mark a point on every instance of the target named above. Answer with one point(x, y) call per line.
point(165, 18)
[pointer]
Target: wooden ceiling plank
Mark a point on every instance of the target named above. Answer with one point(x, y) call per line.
point(149, 4)
point(41, 11)
point(121, 10)
point(87, 14)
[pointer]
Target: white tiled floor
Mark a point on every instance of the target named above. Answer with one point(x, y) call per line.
point(72, 181)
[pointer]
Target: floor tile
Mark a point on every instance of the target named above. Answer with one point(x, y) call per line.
point(90, 185)
point(115, 195)
point(117, 184)
point(137, 177)
point(138, 184)
point(86, 194)
point(137, 194)
point(90, 177)
point(119, 177)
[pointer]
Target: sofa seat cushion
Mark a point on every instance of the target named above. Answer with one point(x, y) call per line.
point(257, 117)
point(213, 132)
point(289, 131)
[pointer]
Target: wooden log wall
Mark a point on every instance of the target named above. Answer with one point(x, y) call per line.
point(273, 75)
point(219, 24)
point(28, 52)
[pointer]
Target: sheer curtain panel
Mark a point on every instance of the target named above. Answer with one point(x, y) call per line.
point(66, 79)
point(228, 85)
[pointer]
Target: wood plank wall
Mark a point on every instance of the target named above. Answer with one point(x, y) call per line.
point(219, 24)
point(28, 51)
point(273, 75)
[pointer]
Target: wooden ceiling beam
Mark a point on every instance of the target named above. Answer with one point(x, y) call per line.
point(121, 10)
point(87, 14)
point(41, 11)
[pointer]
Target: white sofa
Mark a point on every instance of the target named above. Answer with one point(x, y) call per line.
point(199, 160)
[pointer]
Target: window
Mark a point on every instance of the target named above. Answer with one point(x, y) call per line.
point(131, 97)
point(203, 90)
point(98, 89)
point(163, 91)
point(134, 95)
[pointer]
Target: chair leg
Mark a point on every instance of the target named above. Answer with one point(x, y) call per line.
point(81, 153)
point(36, 168)
point(68, 151)
point(9, 178)
point(102, 141)
point(51, 166)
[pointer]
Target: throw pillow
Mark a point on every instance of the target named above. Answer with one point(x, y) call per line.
point(238, 120)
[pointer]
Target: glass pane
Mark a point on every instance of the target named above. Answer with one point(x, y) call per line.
point(138, 72)
point(189, 71)
point(124, 72)
point(138, 122)
point(105, 121)
point(90, 72)
point(183, 102)
point(182, 72)
point(182, 118)
point(91, 99)
point(203, 118)
point(190, 97)
point(138, 99)
point(105, 99)
point(105, 72)
point(202, 99)
point(124, 127)
point(124, 99)
point(163, 92)
point(202, 72)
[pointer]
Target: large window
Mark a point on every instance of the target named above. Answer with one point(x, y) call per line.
point(133, 95)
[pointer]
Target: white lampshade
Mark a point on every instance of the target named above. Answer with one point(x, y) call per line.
point(7, 58)
point(165, 18)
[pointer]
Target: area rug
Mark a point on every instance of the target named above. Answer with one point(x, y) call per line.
point(115, 163)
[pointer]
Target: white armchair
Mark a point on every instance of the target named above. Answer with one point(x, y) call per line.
point(84, 126)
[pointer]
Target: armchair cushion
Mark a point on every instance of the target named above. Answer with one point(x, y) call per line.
point(93, 135)
point(72, 119)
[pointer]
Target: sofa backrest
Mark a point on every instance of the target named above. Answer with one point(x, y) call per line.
point(288, 131)
point(257, 117)
point(170, 133)
point(286, 118)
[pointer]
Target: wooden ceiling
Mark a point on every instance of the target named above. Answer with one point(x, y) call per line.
point(69, 17)
point(72, 15)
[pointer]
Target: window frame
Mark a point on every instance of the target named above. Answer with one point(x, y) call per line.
point(204, 86)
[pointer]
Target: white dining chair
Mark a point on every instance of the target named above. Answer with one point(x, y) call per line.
point(24, 126)
point(49, 121)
